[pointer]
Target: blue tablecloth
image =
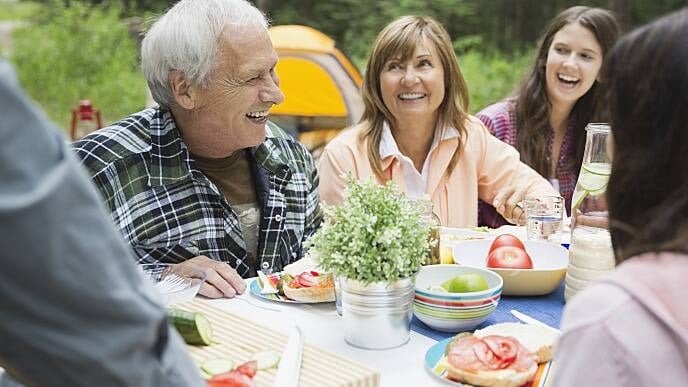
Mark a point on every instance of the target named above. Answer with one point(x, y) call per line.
point(547, 309)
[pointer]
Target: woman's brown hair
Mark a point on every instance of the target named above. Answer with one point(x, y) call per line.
point(647, 78)
point(398, 40)
point(532, 105)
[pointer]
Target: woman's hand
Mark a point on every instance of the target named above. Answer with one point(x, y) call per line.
point(508, 201)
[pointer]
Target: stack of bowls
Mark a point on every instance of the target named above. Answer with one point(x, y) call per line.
point(454, 312)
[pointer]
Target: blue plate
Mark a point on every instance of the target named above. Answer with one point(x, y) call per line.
point(435, 355)
point(254, 288)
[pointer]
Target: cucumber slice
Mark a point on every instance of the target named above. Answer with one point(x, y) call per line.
point(194, 327)
point(266, 359)
point(217, 366)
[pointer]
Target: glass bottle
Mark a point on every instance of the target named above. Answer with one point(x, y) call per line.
point(433, 255)
point(590, 254)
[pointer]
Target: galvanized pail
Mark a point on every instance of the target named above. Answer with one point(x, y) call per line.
point(377, 315)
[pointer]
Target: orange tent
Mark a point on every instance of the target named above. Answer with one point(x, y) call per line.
point(321, 86)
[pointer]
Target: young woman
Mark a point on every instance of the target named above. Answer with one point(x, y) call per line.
point(631, 329)
point(545, 120)
point(416, 132)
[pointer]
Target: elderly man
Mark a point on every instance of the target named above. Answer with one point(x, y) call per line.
point(203, 179)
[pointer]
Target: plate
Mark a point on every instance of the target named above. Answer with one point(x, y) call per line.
point(254, 288)
point(433, 363)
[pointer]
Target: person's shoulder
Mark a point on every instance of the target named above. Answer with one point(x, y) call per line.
point(283, 146)
point(503, 107)
point(347, 137)
point(499, 116)
point(126, 137)
point(594, 306)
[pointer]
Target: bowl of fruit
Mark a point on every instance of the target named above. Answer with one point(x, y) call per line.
point(453, 298)
point(528, 268)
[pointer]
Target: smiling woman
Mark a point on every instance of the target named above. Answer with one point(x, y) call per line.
point(545, 119)
point(416, 131)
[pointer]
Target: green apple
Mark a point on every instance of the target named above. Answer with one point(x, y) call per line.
point(464, 283)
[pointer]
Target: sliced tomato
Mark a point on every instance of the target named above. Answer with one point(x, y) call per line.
point(307, 279)
point(231, 379)
point(249, 368)
point(274, 279)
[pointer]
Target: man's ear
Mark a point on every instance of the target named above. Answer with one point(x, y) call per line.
point(183, 92)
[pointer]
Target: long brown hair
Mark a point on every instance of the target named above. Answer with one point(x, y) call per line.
point(532, 105)
point(399, 40)
point(647, 77)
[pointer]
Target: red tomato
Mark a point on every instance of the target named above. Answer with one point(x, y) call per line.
point(249, 368)
point(509, 257)
point(506, 240)
point(231, 379)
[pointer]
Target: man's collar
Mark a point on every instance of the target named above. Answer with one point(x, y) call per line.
point(171, 161)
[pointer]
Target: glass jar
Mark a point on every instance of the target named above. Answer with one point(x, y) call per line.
point(591, 255)
point(433, 255)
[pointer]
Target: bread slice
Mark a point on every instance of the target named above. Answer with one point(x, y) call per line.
point(538, 340)
point(312, 294)
point(497, 378)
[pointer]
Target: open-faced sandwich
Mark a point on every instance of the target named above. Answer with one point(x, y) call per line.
point(302, 281)
point(309, 286)
point(504, 355)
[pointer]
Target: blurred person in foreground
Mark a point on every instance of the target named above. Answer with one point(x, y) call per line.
point(545, 119)
point(76, 311)
point(416, 131)
point(204, 179)
point(631, 328)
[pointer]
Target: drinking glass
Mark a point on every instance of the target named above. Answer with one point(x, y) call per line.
point(544, 217)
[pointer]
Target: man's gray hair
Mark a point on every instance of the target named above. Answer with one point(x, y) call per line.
point(185, 39)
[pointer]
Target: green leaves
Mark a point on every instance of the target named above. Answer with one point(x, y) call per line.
point(375, 235)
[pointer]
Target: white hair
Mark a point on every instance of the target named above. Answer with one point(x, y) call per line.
point(185, 38)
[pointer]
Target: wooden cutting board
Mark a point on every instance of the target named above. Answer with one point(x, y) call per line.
point(238, 339)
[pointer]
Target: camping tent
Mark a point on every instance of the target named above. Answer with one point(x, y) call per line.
point(321, 86)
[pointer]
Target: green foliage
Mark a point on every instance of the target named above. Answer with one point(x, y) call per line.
point(17, 10)
point(493, 76)
point(375, 235)
point(78, 52)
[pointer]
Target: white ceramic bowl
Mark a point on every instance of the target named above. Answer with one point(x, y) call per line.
point(454, 312)
point(549, 266)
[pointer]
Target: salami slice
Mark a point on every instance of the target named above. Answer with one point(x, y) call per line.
point(489, 353)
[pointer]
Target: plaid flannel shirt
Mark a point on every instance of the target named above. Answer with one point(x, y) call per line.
point(169, 211)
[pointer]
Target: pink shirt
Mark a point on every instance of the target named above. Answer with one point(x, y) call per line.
point(630, 329)
point(486, 165)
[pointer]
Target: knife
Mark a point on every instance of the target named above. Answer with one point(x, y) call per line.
point(290, 363)
point(532, 321)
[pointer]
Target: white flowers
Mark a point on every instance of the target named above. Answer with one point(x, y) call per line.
point(375, 235)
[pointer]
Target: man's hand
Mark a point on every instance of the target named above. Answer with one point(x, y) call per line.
point(221, 279)
point(507, 203)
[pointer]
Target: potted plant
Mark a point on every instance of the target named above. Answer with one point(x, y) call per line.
point(373, 243)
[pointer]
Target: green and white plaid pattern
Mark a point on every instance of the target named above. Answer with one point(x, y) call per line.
point(169, 211)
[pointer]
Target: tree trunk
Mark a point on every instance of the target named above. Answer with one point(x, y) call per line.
point(622, 12)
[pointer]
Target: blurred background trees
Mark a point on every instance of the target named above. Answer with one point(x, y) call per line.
point(72, 49)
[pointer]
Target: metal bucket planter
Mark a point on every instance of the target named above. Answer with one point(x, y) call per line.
point(377, 315)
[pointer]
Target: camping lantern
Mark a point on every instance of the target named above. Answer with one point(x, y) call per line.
point(85, 119)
